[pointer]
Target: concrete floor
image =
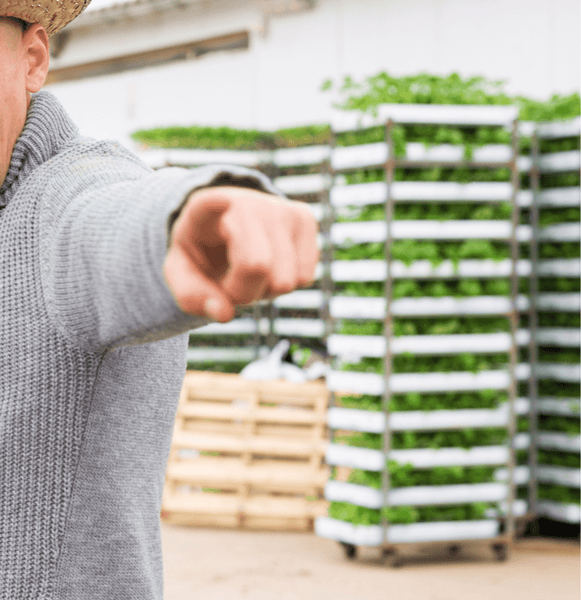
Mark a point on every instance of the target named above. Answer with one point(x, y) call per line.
point(216, 564)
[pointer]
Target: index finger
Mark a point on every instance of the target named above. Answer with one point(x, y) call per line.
point(306, 230)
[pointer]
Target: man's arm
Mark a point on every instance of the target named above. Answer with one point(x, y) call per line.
point(113, 275)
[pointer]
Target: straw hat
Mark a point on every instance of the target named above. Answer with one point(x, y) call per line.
point(53, 15)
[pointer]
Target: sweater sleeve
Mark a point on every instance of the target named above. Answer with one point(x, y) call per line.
point(104, 232)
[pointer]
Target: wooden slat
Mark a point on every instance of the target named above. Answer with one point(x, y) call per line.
point(237, 429)
point(224, 472)
point(224, 504)
point(257, 445)
point(264, 415)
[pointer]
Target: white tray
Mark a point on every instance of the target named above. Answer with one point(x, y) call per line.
point(562, 232)
point(559, 336)
point(519, 509)
point(565, 196)
point(348, 307)
point(559, 511)
point(559, 301)
point(560, 129)
point(558, 371)
point(564, 267)
point(549, 440)
point(313, 328)
point(363, 232)
point(303, 184)
point(559, 475)
point(373, 460)
point(372, 535)
point(362, 194)
point(567, 407)
point(425, 113)
point(372, 383)
point(358, 346)
point(360, 495)
point(376, 154)
point(374, 421)
point(305, 155)
point(234, 327)
point(300, 299)
point(376, 270)
point(556, 162)
point(163, 157)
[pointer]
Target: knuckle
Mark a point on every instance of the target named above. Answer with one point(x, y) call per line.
point(254, 266)
point(284, 286)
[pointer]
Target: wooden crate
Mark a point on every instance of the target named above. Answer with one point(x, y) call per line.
point(247, 454)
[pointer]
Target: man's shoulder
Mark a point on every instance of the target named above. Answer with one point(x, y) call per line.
point(88, 152)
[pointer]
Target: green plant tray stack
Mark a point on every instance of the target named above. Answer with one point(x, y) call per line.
point(554, 291)
point(424, 454)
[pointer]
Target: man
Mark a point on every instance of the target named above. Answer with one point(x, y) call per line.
point(104, 268)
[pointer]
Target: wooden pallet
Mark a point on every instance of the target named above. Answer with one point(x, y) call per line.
point(247, 454)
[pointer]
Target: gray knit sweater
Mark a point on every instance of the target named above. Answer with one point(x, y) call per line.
point(92, 356)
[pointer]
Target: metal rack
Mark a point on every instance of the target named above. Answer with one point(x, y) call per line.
point(547, 198)
point(392, 537)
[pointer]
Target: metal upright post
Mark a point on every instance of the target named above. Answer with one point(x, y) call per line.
point(388, 325)
point(327, 285)
point(328, 217)
point(257, 316)
point(533, 326)
point(514, 323)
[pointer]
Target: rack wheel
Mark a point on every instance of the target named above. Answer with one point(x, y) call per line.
point(454, 550)
point(396, 560)
point(500, 551)
point(350, 550)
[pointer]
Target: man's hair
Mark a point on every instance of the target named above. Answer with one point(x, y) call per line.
point(24, 25)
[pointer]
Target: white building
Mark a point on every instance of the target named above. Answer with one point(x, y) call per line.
point(123, 66)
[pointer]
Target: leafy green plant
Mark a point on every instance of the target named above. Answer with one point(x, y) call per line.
point(306, 135)
point(559, 389)
point(424, 88)
point(407, 476)
point(359, 515)
point(559, 459)
point(559, 493)
point(568, 425)
point(409, 440)
point(204, 137)
point(412, 401)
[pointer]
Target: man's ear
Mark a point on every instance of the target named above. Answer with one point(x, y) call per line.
point(37, 57)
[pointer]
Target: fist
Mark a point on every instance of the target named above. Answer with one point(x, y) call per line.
point(232, 246)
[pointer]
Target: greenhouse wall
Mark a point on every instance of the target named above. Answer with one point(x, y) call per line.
point(534, 45)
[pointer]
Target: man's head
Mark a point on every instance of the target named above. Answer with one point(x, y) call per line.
point(53, 15)
point(25, 27)
point(24, 59)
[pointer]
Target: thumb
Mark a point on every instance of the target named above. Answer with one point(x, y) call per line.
point(193, 291)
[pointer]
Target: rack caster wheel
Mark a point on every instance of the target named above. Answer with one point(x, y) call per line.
point(454, 550)
point(396, 560)
point(500, 551)
point(350, 550)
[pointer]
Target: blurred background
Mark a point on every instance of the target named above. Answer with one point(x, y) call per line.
point(260, 64)
point(423, 394)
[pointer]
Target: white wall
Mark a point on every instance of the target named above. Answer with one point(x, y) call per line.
point(533, 44)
